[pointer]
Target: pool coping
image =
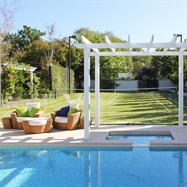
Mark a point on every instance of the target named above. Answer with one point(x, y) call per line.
point(75, 138)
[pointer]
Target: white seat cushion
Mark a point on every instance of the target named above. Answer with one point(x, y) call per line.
point(38, 122)
point(20, 119)
point(60, 119)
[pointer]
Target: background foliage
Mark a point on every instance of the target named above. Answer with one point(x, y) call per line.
point(28, 48)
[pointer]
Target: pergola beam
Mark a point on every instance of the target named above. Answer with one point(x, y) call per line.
point(132, 45)
point(138, 53)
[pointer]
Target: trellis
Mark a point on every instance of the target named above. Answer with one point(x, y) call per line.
point(18, 67)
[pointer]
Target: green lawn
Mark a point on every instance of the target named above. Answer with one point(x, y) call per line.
point(137, 108)
point(133, 108)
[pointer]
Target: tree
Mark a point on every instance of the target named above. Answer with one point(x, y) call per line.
point(22, 43)
point(109, 66)
point(20, 46)
point(27, 36)
point(139, 64)
point(167, 67)
point(77, 64)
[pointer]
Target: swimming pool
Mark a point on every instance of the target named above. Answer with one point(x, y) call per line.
point(82, 167)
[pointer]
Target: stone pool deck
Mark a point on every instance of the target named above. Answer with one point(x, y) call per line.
point(75, 138)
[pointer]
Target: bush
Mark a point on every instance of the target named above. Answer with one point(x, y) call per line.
point(107, 84)
point(148, 84)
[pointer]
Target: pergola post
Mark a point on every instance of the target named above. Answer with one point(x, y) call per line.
point(31, 80)
point(97, 91)
point(86, 93)
point(181, 89)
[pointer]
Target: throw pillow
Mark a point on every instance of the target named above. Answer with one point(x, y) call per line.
point(72, 110)
point(33, 111)
point(22, 112)
point(63, 111)
point(73, 104)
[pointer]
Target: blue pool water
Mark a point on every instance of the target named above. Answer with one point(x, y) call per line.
point(61, 167)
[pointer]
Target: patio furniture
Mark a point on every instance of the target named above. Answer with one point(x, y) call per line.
point(70, 122)
point(37, 125)
point(17, 119)
point(7, 124)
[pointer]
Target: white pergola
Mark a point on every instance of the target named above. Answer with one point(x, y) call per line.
point(24, 68)
point(93, 49)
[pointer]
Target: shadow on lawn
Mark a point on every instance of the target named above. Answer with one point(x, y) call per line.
point(152, 118)
point(136, 112)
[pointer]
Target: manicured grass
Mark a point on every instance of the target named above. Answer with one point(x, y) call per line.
point(137, 108)
point(118, 108)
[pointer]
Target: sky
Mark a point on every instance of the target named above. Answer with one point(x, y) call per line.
point(137, 18)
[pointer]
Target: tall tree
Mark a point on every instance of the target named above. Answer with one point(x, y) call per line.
point(27, 36)
point(109, 66)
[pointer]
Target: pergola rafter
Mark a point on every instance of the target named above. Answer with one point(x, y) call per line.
point(171, 48)
point(151, 41)
point(109, 42)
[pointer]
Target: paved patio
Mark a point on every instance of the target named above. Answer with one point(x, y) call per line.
point(75, 138)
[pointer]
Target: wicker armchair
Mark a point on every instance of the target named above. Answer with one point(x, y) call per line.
point(66, 123)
